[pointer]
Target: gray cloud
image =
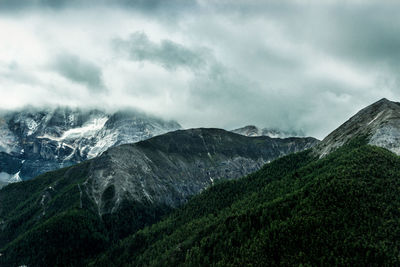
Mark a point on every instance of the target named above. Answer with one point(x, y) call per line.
point(216, 91)
point(5, 177)
point(80, 71)
point(168, 54)
point(13, 72)
point(361, 32)
point(289, 64)
point(18, 5)
point(148, 6)
point(367, 41)
point(151, 5)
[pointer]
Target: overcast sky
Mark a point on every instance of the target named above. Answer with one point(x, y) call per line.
point(295, 65)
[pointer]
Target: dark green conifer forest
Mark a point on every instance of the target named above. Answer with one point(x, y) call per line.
point(342, 209)
point(339, 210)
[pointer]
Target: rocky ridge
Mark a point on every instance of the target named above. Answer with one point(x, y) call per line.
point(34, 141)
point(252, 131)
point(170, 168)
point(379, 123)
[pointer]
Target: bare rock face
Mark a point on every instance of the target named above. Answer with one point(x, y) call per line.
point(252, 131)
point(379, 122)
point(169, 168)
point(148, 177)
point(34, 141)
point(133, 185)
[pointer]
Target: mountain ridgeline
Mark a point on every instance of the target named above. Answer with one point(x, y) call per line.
point(33, 141)
point(177, 200)
point(379, 122)
point(251, 130)
point(299, 210)
point(170, 168)
point(335, 205)
point(122, 190)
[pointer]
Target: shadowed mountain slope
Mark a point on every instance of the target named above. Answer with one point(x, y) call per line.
point(124, 189)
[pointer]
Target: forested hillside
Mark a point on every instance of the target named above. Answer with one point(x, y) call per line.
point(67, 216)
point(340, 210)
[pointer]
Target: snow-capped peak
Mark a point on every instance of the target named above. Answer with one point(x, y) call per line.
point(36, 140)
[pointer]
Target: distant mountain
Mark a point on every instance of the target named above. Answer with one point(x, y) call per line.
point(379, 123)
point(120, 191)
point(33, 141)
point(252, 131)
point(334, 204)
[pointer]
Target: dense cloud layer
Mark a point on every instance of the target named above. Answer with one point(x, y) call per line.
point(77, 70)
point(167, 54)
point(296, 65)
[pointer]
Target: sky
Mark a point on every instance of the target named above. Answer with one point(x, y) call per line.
point(289, 64)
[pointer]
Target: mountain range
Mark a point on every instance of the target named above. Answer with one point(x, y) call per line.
point(211, 197)
point(137, 183)
point(34, 141)
point(335, 204)
point(251, 130)
point(170, 168)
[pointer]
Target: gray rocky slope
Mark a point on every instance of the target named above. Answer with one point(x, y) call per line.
point(34, 141)
point(379, 123)
point(164, 170)
point(133, 185)
point(169, 168)
point(251, 131)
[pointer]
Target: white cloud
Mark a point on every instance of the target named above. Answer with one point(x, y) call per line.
point(215, 63)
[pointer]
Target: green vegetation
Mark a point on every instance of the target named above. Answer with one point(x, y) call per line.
point(47, 221)
point(339, 210)
point(66, 239)
point(24, 205)
point(298, 210)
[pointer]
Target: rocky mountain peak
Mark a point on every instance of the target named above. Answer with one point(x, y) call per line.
point(37, 140)
point(379, 122)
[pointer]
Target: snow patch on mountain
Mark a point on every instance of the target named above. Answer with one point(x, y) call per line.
point(16, 178)
point(40, 140)
point(87, 130)
point(253, 131)
point(32, 126)
point(103, 143)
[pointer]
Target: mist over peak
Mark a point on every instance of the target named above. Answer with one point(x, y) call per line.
point(203, 63)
